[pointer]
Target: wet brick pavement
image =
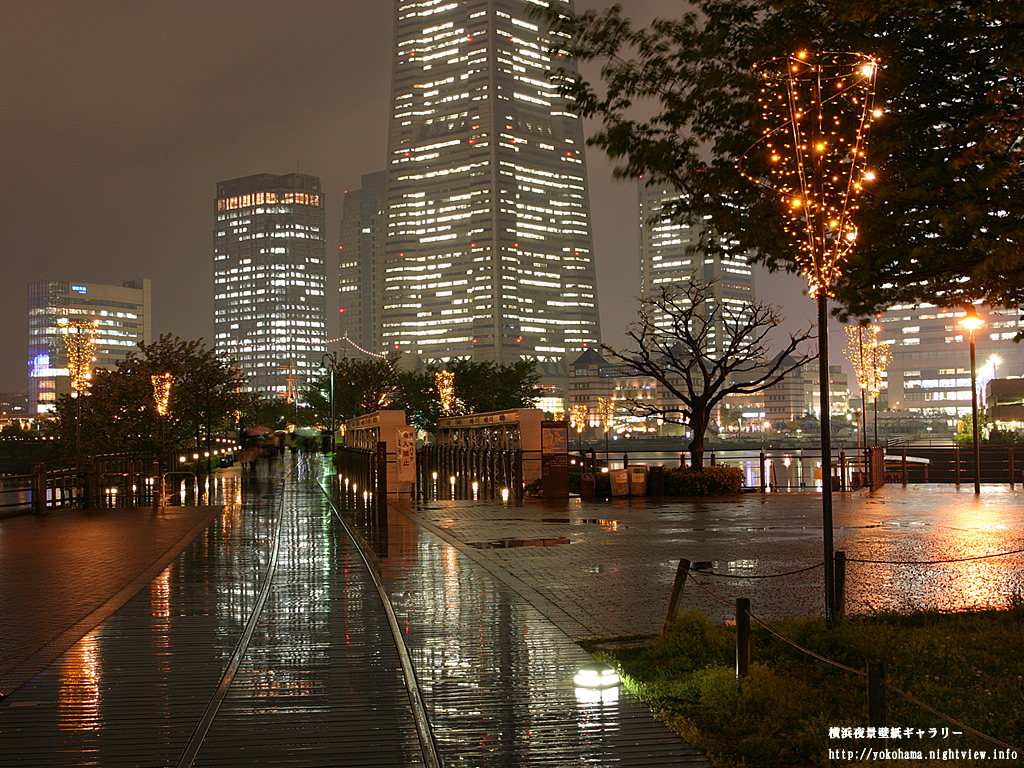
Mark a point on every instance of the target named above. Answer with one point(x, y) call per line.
point(608, 567)
point(61, 574)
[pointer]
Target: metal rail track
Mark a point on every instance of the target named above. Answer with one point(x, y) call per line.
point(424, 732)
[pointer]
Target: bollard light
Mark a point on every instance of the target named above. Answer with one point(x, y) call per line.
point(504, 494)
point(597, 675)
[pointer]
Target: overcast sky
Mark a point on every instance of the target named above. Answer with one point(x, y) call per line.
point(119, 117)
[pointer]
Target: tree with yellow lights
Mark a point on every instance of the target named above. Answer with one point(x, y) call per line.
point(676, 104)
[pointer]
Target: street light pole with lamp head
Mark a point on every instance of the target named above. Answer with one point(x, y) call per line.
point(971, 322)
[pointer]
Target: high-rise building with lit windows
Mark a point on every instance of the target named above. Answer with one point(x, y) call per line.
point(489, 247)
point(930, 371)
point(270, 279)
point(676, 253)
point(122, 318)
point(361, 254)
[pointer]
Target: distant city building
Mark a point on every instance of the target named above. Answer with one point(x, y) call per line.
point(1004, 405)
point(270, 279)
point(13, 407)
point(361, 256)
point(930, 372)
point(672, 253)
point(122, 316)
point(489, 252)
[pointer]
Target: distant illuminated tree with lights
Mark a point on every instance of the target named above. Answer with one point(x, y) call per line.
point(816, 109)
point(80, 344)
point(444, 381)
point(858, 352)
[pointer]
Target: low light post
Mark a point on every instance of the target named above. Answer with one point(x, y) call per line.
point(971, 322)
point(333, 357)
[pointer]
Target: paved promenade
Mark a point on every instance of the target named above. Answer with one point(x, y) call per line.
point(264, 643)
point(604, 569)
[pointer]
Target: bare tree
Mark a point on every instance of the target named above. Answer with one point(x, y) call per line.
point(700, 350)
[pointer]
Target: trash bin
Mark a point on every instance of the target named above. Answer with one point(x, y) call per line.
point(638, 480)
point(620, 482)
point(656, 480)
point(588, 486)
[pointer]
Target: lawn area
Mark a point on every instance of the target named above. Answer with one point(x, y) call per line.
point(969, 666)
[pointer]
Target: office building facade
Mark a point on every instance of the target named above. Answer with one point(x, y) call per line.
point(930, 371)
point(120, 317)
point(489, 251)
point(672, 253)
point(361, 255)
point(270, 280)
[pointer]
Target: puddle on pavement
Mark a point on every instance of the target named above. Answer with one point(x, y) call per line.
point(511, 543)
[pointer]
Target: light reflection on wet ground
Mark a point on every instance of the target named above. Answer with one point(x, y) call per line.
point(615, 574)
point(320, 684)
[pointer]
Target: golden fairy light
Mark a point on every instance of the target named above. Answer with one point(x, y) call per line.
point(578, 416)
point(880, 357)
point(80, 343)
point(162, 391)
point(606, 410)
point(858, 351)
point(816, 110)
point(445, 383)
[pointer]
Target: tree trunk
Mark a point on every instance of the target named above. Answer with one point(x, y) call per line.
point(699, 425)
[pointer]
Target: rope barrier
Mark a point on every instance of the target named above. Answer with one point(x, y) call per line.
point(975, 731)
point(719, 598)
point(766, 576)
point(861, 673)
point(934, 562)
point(809, 652)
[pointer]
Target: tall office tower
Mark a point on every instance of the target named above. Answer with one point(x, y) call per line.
point(363, 229)
point(121, 314)
point(270, 279)
point(673, 253)
point(489, 247)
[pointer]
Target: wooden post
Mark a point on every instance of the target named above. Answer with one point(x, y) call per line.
point(842, 470)
point(713, 459)
point(38, 489)
point(876, 698)
point(742, 637)
point(682, 570)
point(956, 465)
point(1011, 468)
point(764, 480)
point(903, 465)
point(840, 585)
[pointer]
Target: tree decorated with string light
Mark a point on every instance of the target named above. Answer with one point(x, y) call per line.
point(816, 109)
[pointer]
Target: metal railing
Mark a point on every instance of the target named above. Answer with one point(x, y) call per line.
point(446, 472)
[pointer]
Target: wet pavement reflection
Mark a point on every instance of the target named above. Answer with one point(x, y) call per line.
point(320, 683)
point(615, 574)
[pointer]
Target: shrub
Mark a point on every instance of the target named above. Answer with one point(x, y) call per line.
point(711, 481)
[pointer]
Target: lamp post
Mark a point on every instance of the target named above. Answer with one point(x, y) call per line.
point(971, 322)
point(333, 357)
point(162, 399)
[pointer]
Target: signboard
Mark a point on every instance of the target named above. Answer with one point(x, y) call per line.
point(554, 459)
point(406, 454)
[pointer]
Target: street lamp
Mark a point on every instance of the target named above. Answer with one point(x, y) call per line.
point(333, 357)
point(971, 322)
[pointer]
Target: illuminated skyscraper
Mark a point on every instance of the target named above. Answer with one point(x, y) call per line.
point(674, 253)
point(363, 228)
point(121, 314)
point(270, 279)
point(489, 247)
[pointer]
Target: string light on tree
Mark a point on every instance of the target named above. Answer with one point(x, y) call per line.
point(80, 343)
point(445, 383)
point(606, 410)
point(578, 417)
point(816, 110)
point(162, 391)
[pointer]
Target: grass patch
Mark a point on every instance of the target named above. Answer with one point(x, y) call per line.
point(967, 665)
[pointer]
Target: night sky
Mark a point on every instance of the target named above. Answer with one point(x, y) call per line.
point(119, 117)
